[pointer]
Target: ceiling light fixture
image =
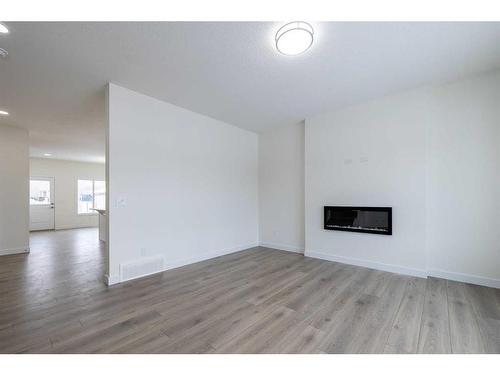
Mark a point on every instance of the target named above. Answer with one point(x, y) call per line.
point(4, 113)
point(47, 154)
point(3, 29)
point(294, 38)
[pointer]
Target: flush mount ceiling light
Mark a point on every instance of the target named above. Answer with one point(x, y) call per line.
point(3, 29)
point(294, 38)
point(47, 154)
point(4, 113)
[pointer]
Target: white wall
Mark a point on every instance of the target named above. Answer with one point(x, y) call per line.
point(281, 188)
point(66, 174)
point(432, 154)
point(464, 181)
point(369, 155)
point(14, 177)
point(188, 184)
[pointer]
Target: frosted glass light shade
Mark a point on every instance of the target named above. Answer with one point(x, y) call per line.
point(294, 38)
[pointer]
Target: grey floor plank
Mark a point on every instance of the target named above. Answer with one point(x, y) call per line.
point(341, 336)
point(464, 328)
point(435, 327)
point(300, 339)
point(484, 302)
point(254, 301)
point(490, 332)
point(377, 326)
point(260, 337)
point(405, 330)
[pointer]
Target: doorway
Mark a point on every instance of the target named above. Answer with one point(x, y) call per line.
point(42, 215)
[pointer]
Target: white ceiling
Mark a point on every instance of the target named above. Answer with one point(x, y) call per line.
point(53, 81)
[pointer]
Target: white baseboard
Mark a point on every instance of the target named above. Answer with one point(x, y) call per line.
point(206, 256)
point(465, 278)
point(115, 279)
point(15, 250)
point(67, 227)
point(279, 246)
point(368, 264)
point(455, 276)
point(111, 279)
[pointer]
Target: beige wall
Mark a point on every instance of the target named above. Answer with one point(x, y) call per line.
point(14, 172)
point(66, 174)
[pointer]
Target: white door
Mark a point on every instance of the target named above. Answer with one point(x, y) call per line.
point(42, 203)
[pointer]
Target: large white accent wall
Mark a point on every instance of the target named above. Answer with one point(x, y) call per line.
point(369, 155)
point(463, 181)
point(281, 188)
point(66, 174)
point(14, 184)
point(182, 187)
point(432, 154)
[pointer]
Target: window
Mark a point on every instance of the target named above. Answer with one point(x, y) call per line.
point(39, 192)
point(100, 195)
point(91, 194)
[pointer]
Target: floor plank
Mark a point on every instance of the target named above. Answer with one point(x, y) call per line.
point(435, 327)
point(405, 330)
point(484, 302)
point(377, 327)
point(259, 300)
point(464, 328)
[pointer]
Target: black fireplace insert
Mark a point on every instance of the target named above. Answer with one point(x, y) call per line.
point(376, 220)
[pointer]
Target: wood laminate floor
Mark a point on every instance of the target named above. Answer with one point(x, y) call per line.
point(255, 301)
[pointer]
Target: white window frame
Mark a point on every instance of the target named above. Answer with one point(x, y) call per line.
point(93, 196)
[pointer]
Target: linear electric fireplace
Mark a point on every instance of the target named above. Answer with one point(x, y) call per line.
point(376, 220)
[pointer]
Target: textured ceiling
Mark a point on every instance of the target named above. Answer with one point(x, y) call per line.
point(53, 81)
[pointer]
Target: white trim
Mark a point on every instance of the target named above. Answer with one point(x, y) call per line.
point(77, 226)
point(206, 256)
point(115, 279)
point(465, 278)
point(123, 280)
point(111, 279)
point(455, 276)
point(368, 264)
point(279, 246)
point(15, 250)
